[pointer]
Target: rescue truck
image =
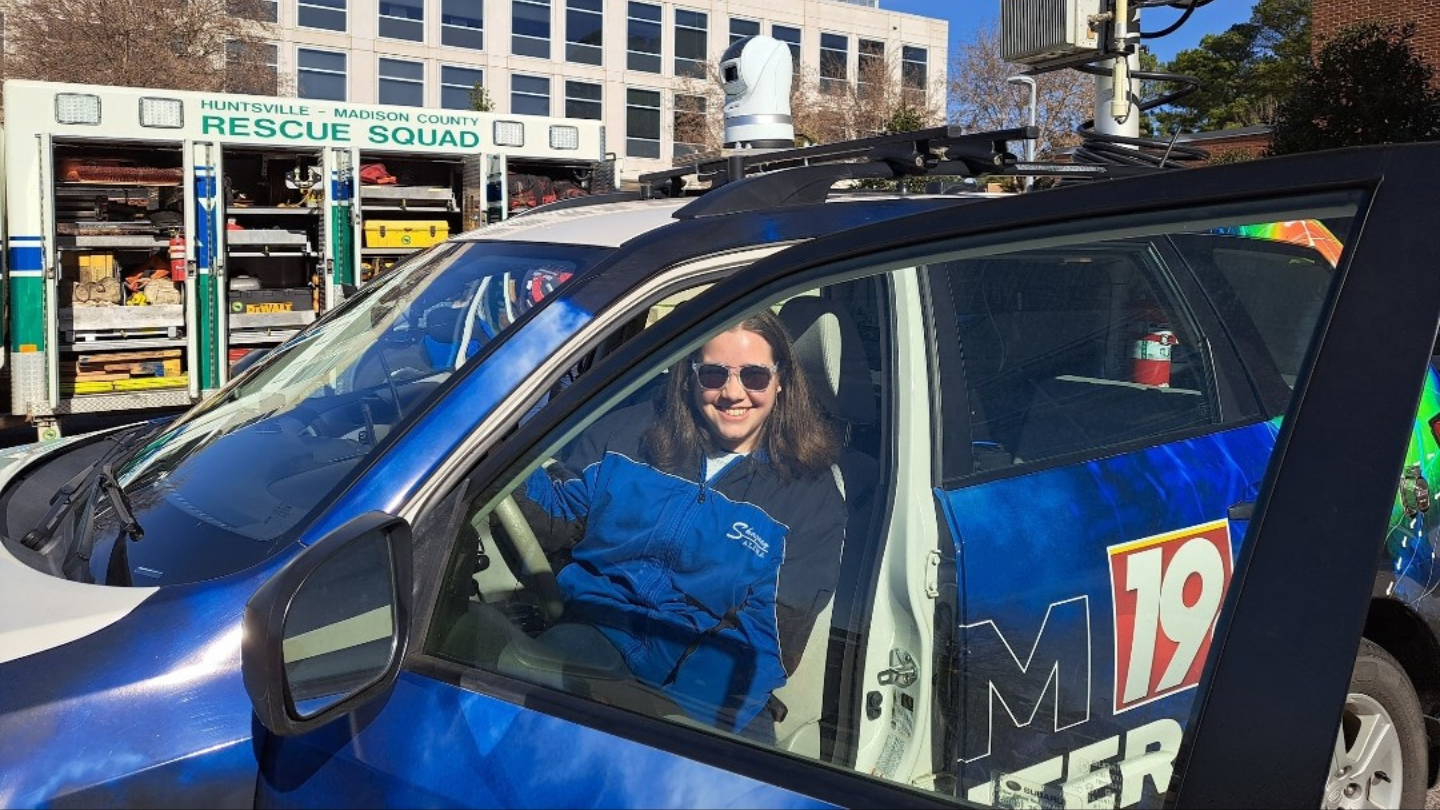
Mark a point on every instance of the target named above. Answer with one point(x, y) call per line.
point(154, 237)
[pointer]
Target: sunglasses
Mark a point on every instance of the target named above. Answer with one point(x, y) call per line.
point(714, 376)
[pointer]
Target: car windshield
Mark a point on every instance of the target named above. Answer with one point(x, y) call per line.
point(224, 486)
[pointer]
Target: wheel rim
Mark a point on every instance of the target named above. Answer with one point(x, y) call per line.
point(1366, 769)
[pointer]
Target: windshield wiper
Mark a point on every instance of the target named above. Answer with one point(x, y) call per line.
point(65, 499)
point(120, 502)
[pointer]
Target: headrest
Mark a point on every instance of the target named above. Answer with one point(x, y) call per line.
point(440, 324)
point(828, 347)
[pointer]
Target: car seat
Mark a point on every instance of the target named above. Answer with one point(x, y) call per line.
point(828, 347)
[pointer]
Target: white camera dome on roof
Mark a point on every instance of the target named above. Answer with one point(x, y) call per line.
point(755, 73)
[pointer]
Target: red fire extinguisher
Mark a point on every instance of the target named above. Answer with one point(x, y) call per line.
point(1152, 357)
point(177, 257)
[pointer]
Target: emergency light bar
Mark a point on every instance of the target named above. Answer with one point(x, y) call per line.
point(509, 133)
point(563, 136)
point(164, 113)
point(77, 108)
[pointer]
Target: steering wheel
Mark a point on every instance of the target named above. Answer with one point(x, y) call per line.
point(531, 556)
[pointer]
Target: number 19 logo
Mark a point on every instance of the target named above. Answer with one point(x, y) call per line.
point(1167, 591)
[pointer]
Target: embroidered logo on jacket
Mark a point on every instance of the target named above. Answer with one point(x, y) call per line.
point(741, 531)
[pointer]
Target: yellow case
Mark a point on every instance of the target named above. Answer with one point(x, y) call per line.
point(405, 233)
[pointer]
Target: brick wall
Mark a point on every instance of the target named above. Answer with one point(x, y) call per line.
point(1329, 16)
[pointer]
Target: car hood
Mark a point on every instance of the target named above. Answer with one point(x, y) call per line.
point(39, 611)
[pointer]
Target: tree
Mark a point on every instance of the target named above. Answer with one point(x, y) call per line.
point(1366, 85)
point(1244, 71)
point(981, 99)
point(172, 44)
point(480, 99)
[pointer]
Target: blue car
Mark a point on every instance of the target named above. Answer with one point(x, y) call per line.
point(1108, 472)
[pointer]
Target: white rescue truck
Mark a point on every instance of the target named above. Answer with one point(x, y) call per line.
point(156, 236)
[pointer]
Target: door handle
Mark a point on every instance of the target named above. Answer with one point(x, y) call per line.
point(1243, 510)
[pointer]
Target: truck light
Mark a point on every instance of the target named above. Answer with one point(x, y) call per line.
point(563, 136)
point(166, 113)
point(509, 133)
point(77, 108)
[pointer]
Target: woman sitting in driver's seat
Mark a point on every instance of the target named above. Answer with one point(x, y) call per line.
point(712, 530)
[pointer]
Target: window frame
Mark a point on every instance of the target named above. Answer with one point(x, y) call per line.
point(695, 28)
point(408, 83)
point(452, 86)
point(532, 45)
point(632, 141)
point(598, 101)
point(453, 32)
point(320, 9)
point(519, 94)
point(413, 27)
point(343, 73)
point(644, 61)
point(834, 71)
point(593, 53)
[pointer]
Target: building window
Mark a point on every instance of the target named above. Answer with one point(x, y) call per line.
point(457, 86)
point(529, 95)
point(914, 67)
point(739, 29)
point(403, 19)
point(643, 38)
point(258, 10)
point(462, 23)
point(834, 58)
point(320, 74)
point(870, 66)
point(690, 124)
point(582, 100)
point(642, 123)
point(252, 67)
point(789, 36)
point(402, 82)
point(326, 14)
point(692, 28)
point(530, 28)
point(584, 31)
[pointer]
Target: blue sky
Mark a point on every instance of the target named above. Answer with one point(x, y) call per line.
point(965, 15)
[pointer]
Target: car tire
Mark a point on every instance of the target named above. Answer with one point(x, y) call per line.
point(1380, 752)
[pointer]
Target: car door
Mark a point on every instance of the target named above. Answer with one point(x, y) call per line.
point(1111, 414)
point(461, 692)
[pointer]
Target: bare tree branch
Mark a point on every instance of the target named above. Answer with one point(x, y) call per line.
point(171, 44)
point(980, 98)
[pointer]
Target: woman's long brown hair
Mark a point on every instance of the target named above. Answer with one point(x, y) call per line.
point(796, 436)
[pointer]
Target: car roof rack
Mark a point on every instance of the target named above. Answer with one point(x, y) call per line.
point(777, 178)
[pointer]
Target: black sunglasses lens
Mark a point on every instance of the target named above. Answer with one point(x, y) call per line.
point(755, 378)
point(711, 377)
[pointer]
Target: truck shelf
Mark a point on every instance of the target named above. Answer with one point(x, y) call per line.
point(405, 198)
point(114, 242)
point(271, 210)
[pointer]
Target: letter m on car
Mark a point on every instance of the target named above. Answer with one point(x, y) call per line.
point(1011, 680)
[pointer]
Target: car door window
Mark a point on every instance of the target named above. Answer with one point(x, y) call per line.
point(675, 547)
point(1075, 349)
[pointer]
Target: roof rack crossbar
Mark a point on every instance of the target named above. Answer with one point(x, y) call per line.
point(921, 145)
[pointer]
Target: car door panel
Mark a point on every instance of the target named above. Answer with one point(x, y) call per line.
point(446, 746)
point(1040, 639)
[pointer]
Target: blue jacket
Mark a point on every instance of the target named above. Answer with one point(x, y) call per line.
point(685, 577)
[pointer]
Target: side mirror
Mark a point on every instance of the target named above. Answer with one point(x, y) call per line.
point(328, 631)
